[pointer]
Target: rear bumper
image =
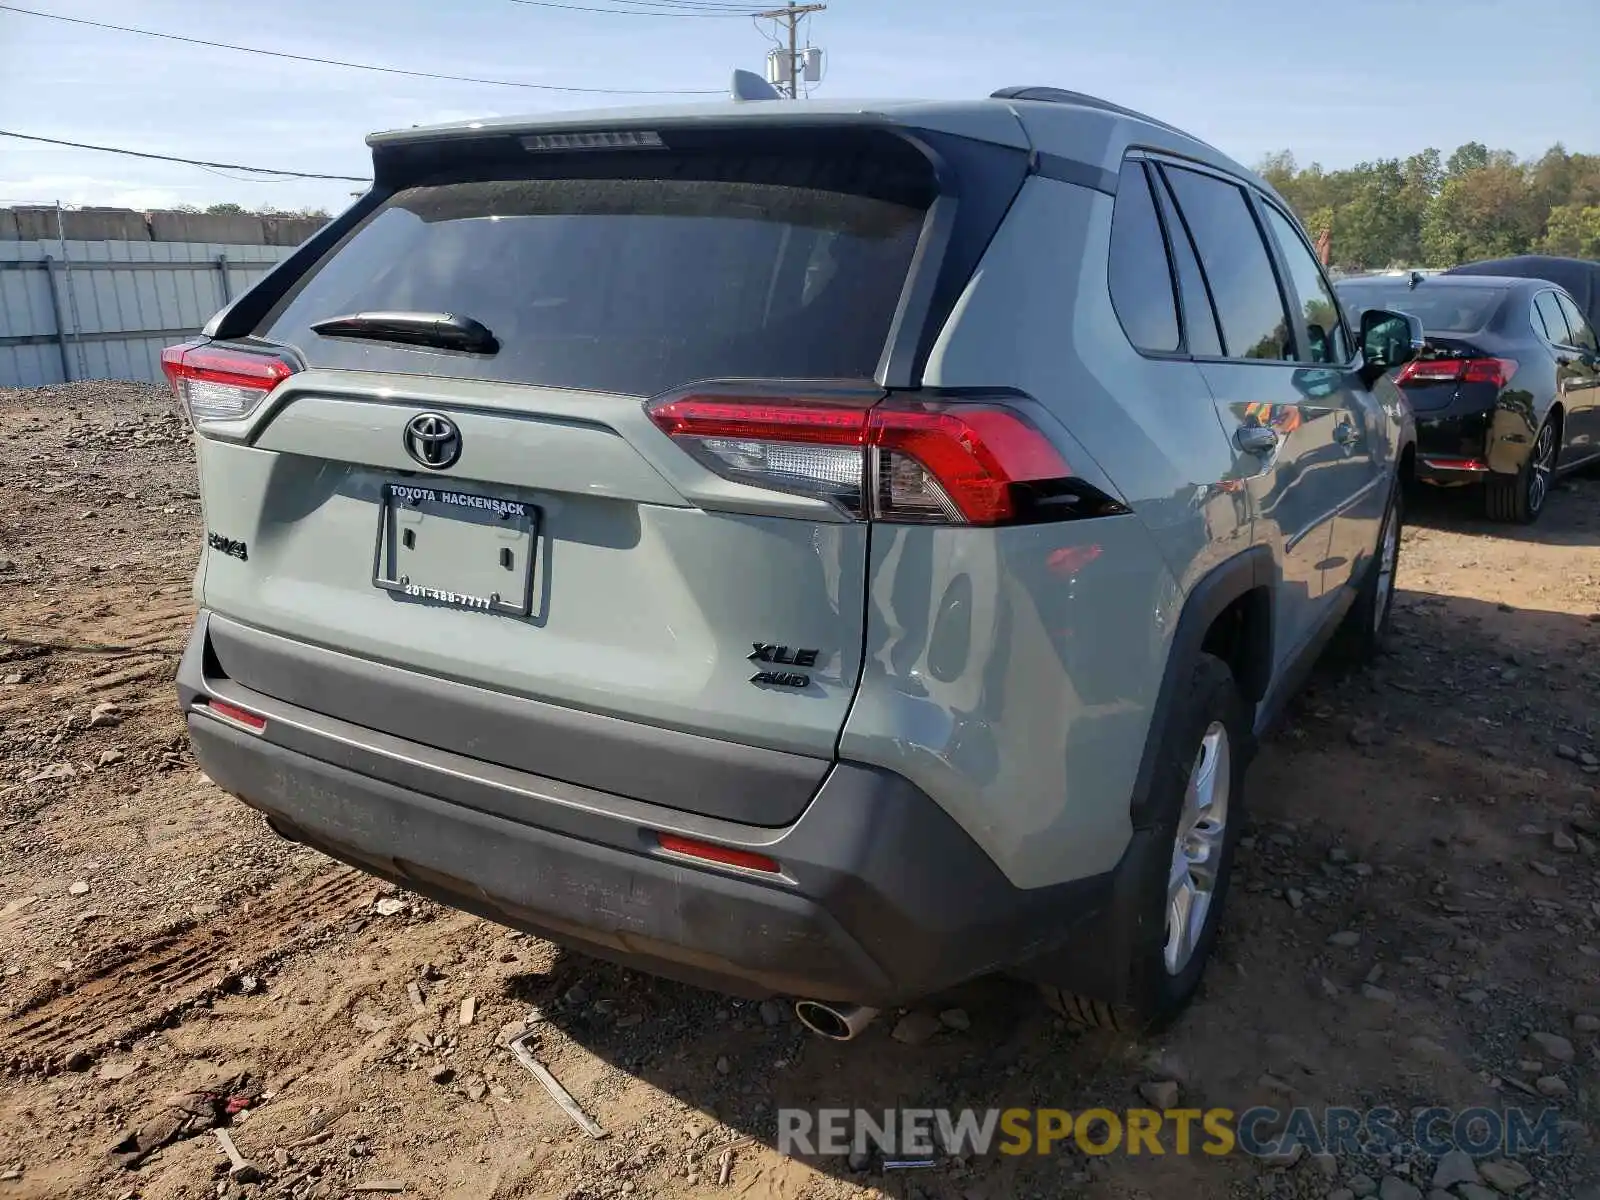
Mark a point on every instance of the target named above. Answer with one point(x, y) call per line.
point(1455, 448)
point(882, 897)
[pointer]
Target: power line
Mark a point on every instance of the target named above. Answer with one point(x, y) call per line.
point(730, 11)
point(355, 66)
point(188, 162)
point(735, 7)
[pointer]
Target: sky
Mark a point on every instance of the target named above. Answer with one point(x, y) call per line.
point(1335, 84)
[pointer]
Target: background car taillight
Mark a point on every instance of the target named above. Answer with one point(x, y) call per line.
point(216, 383)
point(906, 457)
point(1497, 371)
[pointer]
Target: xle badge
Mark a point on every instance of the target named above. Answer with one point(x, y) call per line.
point(228, 546)
point(766, 652)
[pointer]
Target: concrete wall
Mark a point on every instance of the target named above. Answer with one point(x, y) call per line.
point(30, 224)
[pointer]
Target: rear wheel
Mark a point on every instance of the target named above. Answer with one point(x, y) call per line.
point(1520, 498)
point(1179, 867)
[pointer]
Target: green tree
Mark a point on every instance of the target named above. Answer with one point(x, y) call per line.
point(1468, 157)
point(1380, 225)
point(226, 209)
point(1573, 231)
point(1486, 212)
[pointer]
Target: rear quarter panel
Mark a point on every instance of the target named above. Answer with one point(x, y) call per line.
point(1012, 673)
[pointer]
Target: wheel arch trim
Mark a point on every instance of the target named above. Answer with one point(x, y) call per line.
point(1252, 571)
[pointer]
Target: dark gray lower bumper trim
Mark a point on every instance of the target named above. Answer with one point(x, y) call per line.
point(883, 897)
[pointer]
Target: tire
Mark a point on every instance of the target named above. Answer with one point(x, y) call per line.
point(1519, 499)
point(1365, 628)
point(1206, 736)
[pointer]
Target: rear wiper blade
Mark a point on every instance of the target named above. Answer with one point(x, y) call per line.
point(444, 330)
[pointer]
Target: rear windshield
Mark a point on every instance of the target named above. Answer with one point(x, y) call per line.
point(619, 285)
point(1441, 307)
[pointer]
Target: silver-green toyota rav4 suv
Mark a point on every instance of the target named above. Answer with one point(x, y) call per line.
point(836, 550)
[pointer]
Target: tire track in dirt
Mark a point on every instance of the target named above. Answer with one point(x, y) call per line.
point(128, 995)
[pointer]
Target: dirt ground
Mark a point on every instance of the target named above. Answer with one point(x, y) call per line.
point(1438, 813)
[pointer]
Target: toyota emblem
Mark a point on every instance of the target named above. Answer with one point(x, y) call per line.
point(432, 440)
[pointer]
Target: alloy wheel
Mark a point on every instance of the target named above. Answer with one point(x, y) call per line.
point(1544, 464)
point(1198, 847)
point(1388, 561)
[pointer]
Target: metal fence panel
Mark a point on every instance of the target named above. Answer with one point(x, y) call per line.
point(104, 309)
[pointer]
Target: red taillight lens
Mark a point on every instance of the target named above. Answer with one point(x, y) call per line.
point(905, 458)
point(1497, 371)
point(711, 852)
point(218, 383)
point(956, 461)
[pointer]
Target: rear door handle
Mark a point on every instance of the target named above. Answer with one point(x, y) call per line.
point(1256, 439)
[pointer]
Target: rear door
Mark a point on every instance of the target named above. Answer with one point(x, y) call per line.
point(1579, 360)
point(1283, 430)
point(512, 519)
point(1332, 372)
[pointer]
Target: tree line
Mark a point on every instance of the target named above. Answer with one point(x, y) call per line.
point(1432, 211)
point(229, 208)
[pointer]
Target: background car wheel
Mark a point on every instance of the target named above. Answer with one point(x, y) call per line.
point(1178, 868)
point(1520, 498)
point(1366, 625)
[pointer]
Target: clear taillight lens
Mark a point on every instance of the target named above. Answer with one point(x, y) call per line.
point(906, 457)
point(219, 383)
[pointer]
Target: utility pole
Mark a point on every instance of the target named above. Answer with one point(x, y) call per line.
point(790, 16)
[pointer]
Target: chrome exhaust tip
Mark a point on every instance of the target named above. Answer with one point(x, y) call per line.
point(836, 1022)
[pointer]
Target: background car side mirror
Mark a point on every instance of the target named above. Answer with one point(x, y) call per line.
point(1388, 340)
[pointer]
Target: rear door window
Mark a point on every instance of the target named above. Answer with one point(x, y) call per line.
point(620, 285)
point(1582, 336)
point(1199, 317)
point(1244, 286)
point(1548, 309)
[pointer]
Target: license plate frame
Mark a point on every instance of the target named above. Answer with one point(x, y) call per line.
point(515, 522)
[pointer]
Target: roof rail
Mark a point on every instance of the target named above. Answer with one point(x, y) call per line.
point(1053, 95)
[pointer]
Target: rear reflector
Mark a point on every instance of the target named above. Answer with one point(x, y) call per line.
point(709, 852)
point(1456, 464)
point(217, 383)
point(1497, 371)
point(237, 715)
point(904, 458)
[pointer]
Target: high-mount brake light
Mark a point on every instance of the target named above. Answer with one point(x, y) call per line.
point(1497, 371)
point(608, 139)
point(216, 383)
point(904, 458)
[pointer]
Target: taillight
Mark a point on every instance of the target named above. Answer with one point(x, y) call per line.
point(217, 383)
point(904, 458)
point(1497, 371)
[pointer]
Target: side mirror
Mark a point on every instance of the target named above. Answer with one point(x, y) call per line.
point(1388, 340)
